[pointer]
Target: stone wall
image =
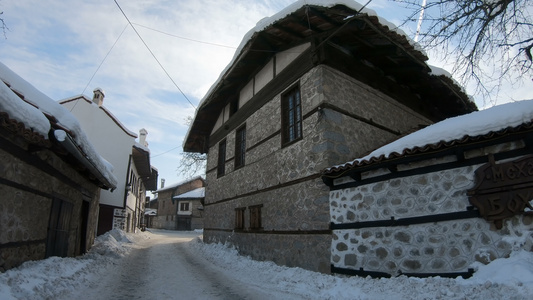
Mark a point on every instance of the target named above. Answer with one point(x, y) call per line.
point(293, 250)
point(197, 217)
point(436, 247)
point(285, 180)
point(27, 194)
point(164, 222)
point(167, 208)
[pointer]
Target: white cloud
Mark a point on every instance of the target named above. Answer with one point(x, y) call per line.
point(58, 45)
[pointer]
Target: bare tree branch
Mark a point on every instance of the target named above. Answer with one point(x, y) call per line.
point(488, 41)
point(3, 25)
point(192, 163)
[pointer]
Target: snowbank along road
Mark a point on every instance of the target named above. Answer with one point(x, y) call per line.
point(162, 266)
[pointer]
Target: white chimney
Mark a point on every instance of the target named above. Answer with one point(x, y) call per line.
point(98, 97)
point(142, 137)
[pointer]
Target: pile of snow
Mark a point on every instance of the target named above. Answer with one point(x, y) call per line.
point(505, 278)
point(112, 244)
point(55, 276)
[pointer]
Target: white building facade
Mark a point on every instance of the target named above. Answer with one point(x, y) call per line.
point(124, 207)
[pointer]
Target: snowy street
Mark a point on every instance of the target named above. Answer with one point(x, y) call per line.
point(160, 264)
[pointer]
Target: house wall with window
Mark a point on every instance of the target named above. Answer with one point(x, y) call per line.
point(307, 98)
point(50, 177)
point(278, 191)
point(168, 211)
point(46, 209)
point(122, 208)
point(191, 209)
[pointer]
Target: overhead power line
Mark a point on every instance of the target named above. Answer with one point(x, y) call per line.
point(99, 66)
point(152, 156)
point(184, 38)
point(153, 55)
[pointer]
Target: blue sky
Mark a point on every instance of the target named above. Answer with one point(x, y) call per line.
point(58, 46)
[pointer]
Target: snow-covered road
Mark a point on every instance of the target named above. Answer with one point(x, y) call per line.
point(178, 265)
point(163, 266)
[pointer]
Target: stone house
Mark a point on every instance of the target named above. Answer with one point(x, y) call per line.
point(168, 206)
point(123, 208)
point(438, 200)
point(190, 209)
point(315, 85)
point(50, 177)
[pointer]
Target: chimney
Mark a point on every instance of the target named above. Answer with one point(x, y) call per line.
point(142, 137)
point(98, 97)
point(162, 183)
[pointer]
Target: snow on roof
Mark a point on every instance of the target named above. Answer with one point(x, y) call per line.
point(436, 71)
point(175, 185)
point(150, 212)
point(477, 123)
point(142, 147)
point(31, 110)
point(194, 194)
point(265, 22)
point(17, 109)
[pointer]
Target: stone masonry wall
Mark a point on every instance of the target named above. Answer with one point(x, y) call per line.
point(293, 250)
point(450, 246)
point(285, 180)
point(24, 215)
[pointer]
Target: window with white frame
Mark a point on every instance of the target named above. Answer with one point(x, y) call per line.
point(185, 208)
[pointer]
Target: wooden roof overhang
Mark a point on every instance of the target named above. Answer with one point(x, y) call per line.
point(357, 44)
point(148, 174)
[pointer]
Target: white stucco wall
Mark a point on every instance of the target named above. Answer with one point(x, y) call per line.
point(262, 78)
point(284, 58)
point(111, 142)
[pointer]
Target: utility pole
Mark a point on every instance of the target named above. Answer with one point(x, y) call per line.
point(420, 18)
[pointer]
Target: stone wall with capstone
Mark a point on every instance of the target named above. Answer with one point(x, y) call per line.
point(443, 247)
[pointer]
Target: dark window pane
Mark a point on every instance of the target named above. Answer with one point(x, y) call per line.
point(291, 116)
point(240, 147)
point(221, 169)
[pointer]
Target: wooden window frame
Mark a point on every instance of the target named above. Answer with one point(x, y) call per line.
point(239, 218)
point(255, 217)
point(182, 204)
point(221, 165)
point(291, 116)
point(240, 147)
